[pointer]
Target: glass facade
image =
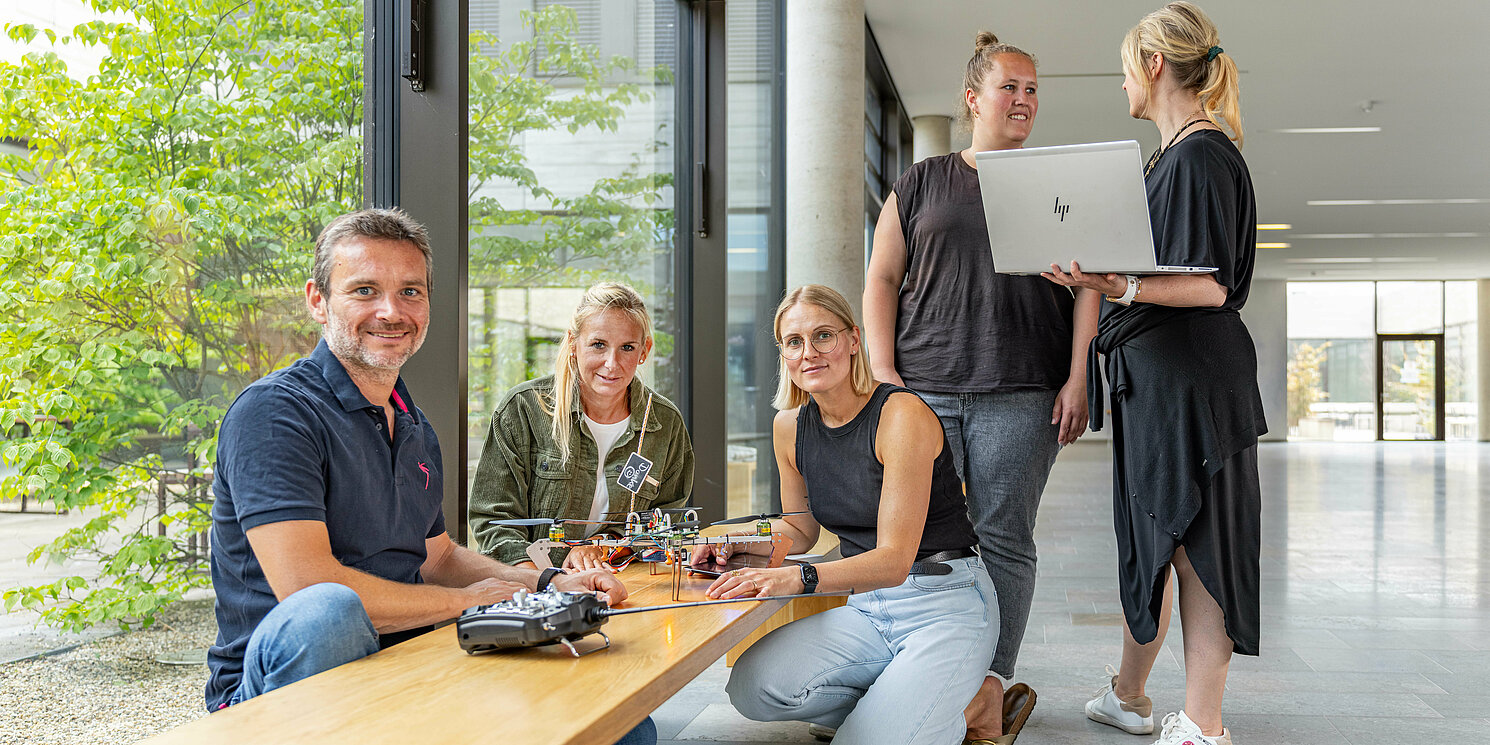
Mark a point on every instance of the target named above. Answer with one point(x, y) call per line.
point(1340, 387)
point(572, 126)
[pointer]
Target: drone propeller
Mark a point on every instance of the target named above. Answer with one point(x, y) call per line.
point(753, 518)
point(532, 521)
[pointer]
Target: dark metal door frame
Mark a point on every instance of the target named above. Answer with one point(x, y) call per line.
point(1439, 382)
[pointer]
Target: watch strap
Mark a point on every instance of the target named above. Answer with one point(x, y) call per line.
point(547, 576)
point(1129, 294)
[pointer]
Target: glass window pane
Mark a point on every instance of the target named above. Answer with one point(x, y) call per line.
point(166, 184)
point(1331, 367)
point(1461, 385)
point(754, 262)
point(1409, 386)
point(1409, 307)
point(572, 120)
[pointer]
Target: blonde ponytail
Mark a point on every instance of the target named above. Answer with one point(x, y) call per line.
point(1185, 36)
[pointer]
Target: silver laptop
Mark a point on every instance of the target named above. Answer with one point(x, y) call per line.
point(1083, 203)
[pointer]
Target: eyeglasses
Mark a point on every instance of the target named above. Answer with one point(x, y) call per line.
point(823, 340)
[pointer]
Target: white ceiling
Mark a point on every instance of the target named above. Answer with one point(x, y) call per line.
point(1423, 68)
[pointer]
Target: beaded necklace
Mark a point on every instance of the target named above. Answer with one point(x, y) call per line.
point(1154, 159)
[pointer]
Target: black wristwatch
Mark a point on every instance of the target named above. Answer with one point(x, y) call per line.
point(546, 576)
point(809, 578)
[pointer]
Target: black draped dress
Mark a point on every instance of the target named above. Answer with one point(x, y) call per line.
point(1185, 406)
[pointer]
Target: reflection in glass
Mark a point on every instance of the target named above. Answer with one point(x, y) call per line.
point(571, 170)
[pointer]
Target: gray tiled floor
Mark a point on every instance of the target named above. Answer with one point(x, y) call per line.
point(1375, 607)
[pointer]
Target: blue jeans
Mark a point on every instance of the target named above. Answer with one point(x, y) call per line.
point(321, 627)
point(896, 665)
point(1005, 446)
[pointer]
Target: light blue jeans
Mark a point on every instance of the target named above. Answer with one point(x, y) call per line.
point(894, 666)
point(321, 627)
point(1005, 446)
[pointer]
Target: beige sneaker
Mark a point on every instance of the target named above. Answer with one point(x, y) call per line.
point(1136, 716)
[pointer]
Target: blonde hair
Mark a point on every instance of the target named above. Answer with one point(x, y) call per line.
point(598, 299)
point(986, 47)
point(788, 395)
point(1185, 36)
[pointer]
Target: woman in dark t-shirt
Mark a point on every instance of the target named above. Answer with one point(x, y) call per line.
point(901, 660)
point(1000, 358)
point(1183, 372)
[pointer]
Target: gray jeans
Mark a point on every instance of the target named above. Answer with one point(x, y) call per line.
point(1004, 445)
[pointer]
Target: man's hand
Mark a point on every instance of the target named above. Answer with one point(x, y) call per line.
point(599, 581)
point(587, 557)
point(488, 591)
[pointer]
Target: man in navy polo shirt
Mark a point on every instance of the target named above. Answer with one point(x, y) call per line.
point(328, 541)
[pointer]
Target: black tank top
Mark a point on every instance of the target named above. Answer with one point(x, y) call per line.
point(844, 480)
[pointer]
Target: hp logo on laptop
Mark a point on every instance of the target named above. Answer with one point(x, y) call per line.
point(1062, 209)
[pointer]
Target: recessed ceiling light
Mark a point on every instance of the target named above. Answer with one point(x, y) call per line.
point(1326, 130)
point(1361, 202)
point(1275, 245)
point(1362, 236)
point(1328, 260)
point(1274, 226)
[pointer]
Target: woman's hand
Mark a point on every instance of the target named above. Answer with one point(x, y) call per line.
point(587, 557)
point(761, 583)
point(1070, 413)
point(1107, 284)
point(715, 553)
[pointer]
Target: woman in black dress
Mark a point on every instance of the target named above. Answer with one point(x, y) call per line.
point(1183, 374)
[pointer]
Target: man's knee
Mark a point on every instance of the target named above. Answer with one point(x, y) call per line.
point(321, 626)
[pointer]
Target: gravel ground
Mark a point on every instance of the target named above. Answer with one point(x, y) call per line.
point(110, 690)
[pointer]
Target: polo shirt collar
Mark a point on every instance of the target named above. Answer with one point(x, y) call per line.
point(347, 393)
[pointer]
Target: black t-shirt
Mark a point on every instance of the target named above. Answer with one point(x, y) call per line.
point(962, 327)
point(1203, 213)
point(844, 480)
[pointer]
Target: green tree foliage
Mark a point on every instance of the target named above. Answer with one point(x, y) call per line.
point(155, 234)
point(1305, 381)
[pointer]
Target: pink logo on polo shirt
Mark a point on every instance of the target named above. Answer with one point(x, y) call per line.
point(425, 469)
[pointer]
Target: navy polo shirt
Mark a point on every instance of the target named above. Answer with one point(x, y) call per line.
point(303, 443)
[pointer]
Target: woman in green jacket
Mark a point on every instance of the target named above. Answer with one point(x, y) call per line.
point(539, 463)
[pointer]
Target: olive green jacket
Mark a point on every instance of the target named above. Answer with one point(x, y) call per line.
point(520, 474)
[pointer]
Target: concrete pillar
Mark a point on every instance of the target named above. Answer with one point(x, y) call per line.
point(1482, 371)
point(933, 136)
point(825, 146)
point(1266, 316)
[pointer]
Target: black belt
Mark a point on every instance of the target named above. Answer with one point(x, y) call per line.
point(933, 564)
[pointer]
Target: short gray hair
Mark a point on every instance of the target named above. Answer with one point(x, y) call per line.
point(390, 224)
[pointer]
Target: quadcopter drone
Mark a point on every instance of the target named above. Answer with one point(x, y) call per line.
point(652, 537)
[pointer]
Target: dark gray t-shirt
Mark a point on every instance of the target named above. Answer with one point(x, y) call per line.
point(963, 328)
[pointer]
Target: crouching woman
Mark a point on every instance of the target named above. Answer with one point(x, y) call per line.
point(901, 660)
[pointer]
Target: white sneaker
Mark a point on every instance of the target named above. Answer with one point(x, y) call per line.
point(1179, 730)
point(1135, 717)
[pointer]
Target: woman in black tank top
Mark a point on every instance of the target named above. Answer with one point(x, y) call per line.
point(901, 660)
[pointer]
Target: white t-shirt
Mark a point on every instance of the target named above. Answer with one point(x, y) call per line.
point(605, 436)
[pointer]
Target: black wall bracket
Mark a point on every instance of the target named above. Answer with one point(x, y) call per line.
point(412, 21)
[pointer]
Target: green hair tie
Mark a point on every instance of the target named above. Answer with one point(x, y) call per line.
point(1211, 55)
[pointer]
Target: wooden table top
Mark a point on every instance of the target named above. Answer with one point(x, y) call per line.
point(427, 690)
